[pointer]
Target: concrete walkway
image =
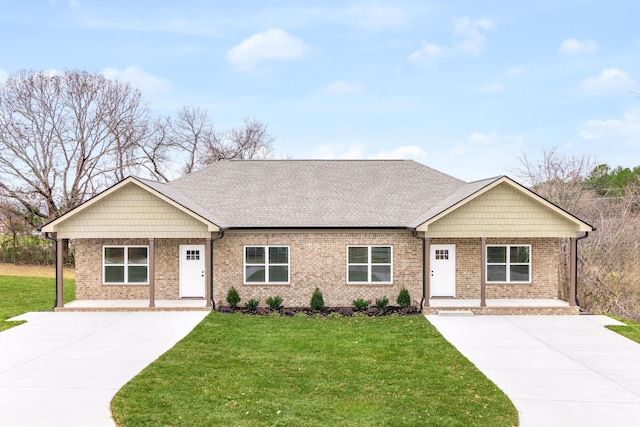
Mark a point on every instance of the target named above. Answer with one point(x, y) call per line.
point(63, 369)
point(558, 370)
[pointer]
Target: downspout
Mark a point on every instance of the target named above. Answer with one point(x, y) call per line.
point(55, 246)
point(424, 265)
point(213, 304)
point(586, 234)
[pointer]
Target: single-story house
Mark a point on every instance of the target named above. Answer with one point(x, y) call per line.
point(352, 228)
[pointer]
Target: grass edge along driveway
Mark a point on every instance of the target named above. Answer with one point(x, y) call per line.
point(265, 370)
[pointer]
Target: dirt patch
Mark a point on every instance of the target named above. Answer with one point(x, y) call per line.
point(34, 271)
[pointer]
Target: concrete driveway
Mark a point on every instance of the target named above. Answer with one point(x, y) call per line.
point(557, 370)
point(63, 369)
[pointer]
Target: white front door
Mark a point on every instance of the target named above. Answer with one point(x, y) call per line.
point(192, 271)
point(443, 270)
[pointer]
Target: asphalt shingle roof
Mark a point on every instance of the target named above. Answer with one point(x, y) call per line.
point(317, 193)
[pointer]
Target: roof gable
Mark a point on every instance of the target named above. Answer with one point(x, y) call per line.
point(130, 207)
point(502, 208)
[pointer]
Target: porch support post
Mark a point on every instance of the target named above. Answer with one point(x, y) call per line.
point(59, 273)
point(152, 272)
point(426, 272)
point(483, 272)
point(208, 273)
point(573, 271)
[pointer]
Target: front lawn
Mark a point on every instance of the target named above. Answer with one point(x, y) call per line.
point(630, 329)
point(253, 370)
point(20, 294)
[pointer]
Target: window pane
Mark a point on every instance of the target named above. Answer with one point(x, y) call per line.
point(381, 255)
point(114, 274)
point(496, 254)
point(279, 255)
point(519, 254)
point(519, 273)
point(138, 256)
point(255, 274)
point(358, 273)
point(358, 255)
point(137, 274)
point(255, 255)
point(381, 273)
point(496, 273)
point(114, 255)
point(278, 273)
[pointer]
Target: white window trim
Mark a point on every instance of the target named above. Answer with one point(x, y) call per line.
point(507, 264)
point(266, 265)
point(125, 265)
point(369, 264)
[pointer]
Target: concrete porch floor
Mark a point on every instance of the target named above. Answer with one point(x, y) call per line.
point(136, 305)
point(453, 306)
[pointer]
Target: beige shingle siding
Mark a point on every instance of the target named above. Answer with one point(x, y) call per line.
point(131, 212)
point(503, 212)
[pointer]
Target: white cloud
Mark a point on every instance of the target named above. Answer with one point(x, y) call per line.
point(375, 15)
point(609, 80)
point(515, 71)
point(341, 87)
point(406, 152)
point(575, 46)
point(626, 129)
point(273, 43)
point(492, 88)
point(469, 39)
point(472, 34)
point(356, 151)
point(427, 53)
point(139, 78)
point(329, 151)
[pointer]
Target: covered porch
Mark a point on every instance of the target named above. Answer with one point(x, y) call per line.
point(136, 305)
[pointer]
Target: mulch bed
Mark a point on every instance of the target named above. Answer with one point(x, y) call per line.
point(342, 311)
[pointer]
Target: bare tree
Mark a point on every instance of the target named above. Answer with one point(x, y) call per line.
point(557, 178)
point(64, 137)
point(195, 139)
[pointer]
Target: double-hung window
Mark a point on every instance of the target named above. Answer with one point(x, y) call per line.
point(369, 264)
point(125, 265)
point(266, 264)
point(509, 263)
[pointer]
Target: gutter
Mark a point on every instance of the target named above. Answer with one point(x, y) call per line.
point(414, 233)
point(55, 246)
point(213, 304)
point(586, 234)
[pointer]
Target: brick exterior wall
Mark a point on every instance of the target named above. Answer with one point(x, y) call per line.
point(317, 259)
point(545, 259)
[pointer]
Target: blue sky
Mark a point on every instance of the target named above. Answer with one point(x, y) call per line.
point(463, 86)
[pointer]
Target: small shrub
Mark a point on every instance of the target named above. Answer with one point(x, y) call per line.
point(274, 303)
point(335, 315)
point(360, 304)
point(300, 314)
point(252, 304)
point(382, 302)
point(404, 300)
point(233, 297)
point(317, 301)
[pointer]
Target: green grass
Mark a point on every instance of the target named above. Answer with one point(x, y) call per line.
point(630, 329)
point(241, 370)
point(20, 294)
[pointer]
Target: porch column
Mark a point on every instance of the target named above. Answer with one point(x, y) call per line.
point(208, 273)
point(573, 270)
point(59, 273)
point(483, 272)
point(152, 272)
point(426, 273)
